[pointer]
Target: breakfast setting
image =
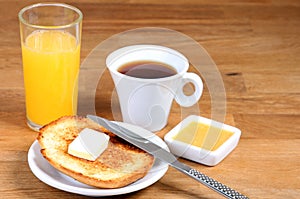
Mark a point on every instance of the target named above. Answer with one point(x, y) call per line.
point(150, 99)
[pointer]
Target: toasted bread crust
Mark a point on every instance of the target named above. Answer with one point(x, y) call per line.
point(119, 165)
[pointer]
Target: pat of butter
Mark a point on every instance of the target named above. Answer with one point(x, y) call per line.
point(89, 144)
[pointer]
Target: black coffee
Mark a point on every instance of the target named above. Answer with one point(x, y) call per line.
point(147, 69)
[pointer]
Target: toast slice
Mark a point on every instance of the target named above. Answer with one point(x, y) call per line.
point(119, 165)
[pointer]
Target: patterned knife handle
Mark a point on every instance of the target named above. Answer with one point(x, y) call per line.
point(208, 181)
point(215, 185)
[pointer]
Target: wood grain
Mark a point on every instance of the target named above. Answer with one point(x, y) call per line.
point(256, 46)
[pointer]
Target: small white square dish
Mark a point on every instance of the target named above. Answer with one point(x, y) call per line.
point(202, 140)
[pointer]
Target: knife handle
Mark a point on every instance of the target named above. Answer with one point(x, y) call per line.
point(208, 181)
point(215, 185)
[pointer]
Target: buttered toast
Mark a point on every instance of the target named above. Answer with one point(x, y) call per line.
point(119, 165)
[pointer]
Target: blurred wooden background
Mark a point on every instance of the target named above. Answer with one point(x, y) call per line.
point(256, 46)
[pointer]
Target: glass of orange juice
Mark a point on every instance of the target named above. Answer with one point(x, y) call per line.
point(50, 40)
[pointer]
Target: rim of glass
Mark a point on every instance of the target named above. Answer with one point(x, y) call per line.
point(78, 20)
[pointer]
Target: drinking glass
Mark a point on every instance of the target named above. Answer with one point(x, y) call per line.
point(50, 40)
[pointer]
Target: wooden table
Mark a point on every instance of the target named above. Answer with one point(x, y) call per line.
point(256, 46)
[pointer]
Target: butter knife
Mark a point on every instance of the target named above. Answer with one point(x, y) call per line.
point(164, 155)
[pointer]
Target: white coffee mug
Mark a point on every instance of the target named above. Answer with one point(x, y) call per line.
point(147, 102)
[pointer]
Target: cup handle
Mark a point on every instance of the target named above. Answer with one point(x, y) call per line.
point(189, 100)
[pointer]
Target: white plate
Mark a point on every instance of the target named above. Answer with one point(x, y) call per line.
point(49, 175)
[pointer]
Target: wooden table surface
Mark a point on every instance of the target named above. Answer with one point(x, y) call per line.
point(256, 46)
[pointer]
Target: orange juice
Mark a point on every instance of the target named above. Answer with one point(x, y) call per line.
point(51, 68)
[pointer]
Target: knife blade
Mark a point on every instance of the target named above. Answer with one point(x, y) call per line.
point(162, 154)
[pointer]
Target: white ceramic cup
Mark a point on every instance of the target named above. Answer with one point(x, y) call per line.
point(147, 102)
